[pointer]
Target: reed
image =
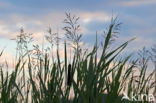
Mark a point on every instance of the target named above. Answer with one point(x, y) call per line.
point(39, 76)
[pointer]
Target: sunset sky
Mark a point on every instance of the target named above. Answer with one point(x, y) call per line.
point(138, 18)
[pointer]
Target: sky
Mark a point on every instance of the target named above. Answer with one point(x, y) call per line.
point(36, 16)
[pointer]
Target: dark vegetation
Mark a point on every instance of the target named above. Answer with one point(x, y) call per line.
point(40, 76)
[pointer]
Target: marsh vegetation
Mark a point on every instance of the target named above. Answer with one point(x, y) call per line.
point(44, 75)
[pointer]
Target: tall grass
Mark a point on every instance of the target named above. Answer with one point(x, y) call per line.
point(41, 77)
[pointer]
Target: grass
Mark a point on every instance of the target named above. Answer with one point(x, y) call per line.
point(41, 77)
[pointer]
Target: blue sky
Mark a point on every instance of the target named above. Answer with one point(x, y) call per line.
point(35, 16)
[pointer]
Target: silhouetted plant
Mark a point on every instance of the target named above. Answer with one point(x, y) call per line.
point(72, 30)
point(23, 40)
point(88, 78)
point(153, 58)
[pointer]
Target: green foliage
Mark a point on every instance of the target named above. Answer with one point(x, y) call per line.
point(89, 78)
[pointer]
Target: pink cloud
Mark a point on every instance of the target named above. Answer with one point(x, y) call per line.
point(137, 2)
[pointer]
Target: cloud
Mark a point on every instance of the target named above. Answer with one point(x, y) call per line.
point(10, 25)
point(32, 24)
point(5, 5)
point(137, 2)
point(90, 21)
point(94, 16)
